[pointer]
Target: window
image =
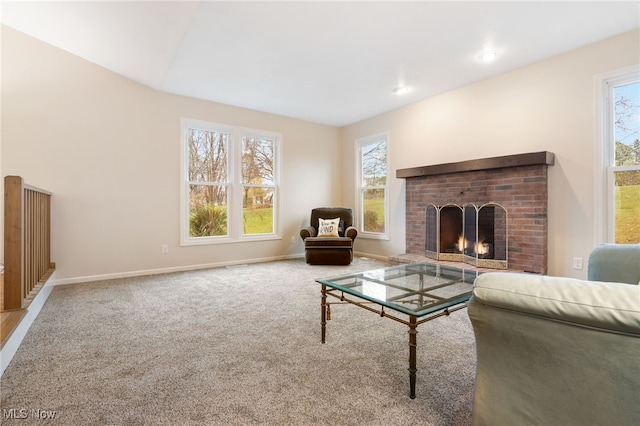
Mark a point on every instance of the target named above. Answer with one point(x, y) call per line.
point(258, 184)
point(372, 186)
point(229, 184)
point(621, 158)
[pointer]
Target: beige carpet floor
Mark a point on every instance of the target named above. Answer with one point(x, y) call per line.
point(232, 346)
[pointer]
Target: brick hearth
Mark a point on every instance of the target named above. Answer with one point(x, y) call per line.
point(518, 183)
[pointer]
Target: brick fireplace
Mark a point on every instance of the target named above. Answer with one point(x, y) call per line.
point(516, 182)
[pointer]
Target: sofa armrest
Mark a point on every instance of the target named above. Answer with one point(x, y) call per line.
point(610, 306)
point(309, 231)
point(351, 232)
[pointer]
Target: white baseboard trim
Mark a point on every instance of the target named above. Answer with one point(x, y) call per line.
point(139, 273)
point(13, 343)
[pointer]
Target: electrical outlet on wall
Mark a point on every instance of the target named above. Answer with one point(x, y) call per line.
point(577, 263)
point(165, 249)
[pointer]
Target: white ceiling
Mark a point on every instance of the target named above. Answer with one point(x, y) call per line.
point(334, 63)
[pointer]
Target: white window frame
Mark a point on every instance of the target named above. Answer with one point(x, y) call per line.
point(605, 167)
point(359, 144)
point(234, 187)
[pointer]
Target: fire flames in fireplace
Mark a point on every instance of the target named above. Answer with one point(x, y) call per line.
point(481, 248)
point(472, 234)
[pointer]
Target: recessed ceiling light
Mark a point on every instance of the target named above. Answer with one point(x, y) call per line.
point(401, 90)
point(488, 56)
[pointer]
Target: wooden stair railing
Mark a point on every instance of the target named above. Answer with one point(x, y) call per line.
point(27, 242)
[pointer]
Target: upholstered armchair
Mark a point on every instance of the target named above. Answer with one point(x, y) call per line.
point(328, 240)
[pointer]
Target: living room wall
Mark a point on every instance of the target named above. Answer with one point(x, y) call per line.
point(108, 149)
point(547, 106)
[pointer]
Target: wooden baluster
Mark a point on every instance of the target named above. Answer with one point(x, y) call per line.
point(13, 244)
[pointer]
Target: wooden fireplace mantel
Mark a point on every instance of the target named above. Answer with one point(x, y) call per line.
point(517, 160)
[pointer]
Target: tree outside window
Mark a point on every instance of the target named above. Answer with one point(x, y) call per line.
point(258, 185)
point(208, 181)
point(230, 183)
point(373, 185)
point(626, 162)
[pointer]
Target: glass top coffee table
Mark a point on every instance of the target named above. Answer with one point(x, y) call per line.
point(420, 291)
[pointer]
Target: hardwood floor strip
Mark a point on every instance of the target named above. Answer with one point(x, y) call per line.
point(9, 320)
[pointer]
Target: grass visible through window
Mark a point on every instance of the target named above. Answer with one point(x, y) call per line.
point(628, 214)
point(374, 214)
point(257, 221)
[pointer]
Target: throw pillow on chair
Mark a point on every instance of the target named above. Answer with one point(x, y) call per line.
point(328, 227)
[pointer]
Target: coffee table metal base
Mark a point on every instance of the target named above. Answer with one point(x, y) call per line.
point(412, 323)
